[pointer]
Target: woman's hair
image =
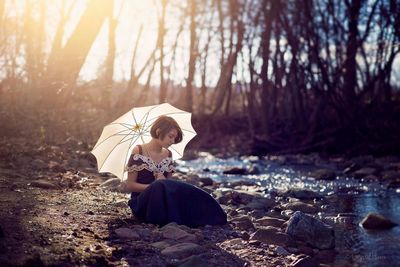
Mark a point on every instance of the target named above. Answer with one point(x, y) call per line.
point(163, 125)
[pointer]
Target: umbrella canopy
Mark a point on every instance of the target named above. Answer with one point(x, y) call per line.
point(115, 145)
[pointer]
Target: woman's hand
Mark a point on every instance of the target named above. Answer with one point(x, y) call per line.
point(123, 187)
point(159, 175)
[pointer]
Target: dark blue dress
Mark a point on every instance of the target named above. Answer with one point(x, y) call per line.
point(167, 200)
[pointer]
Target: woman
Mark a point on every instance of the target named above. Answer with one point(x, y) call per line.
point(158, 200)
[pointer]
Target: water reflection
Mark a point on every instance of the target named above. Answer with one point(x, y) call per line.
point(352, 198)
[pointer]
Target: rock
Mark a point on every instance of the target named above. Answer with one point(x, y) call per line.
point(206, 181)
point(361, 173)
point(126, 233)
point(254, 170)
point(235, 171)
point(235, 197)
point(261, 204)
point(1, 232)
point(390, 175)
point(300, 206)
point(325, 256)
point(394, 184)
point(302, 194)
point(56, 167)
point(162, 244)
point(121, 204)
point(271, 235)
point(323, 174)
point(270, 221)
point(43, 184)
point(174, 232)
point(376, 221)
point(370, 178)
point(305, 262)
point(182, 250)
point(310, 230)
point(243, 223)
point(281, 251)
point(111, 183)
point(38, 164)
point(223, 197)
point(196, 261)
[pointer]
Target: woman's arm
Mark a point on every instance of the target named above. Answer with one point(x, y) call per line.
point(132, 185)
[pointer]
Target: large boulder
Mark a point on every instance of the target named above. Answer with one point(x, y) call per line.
point(310, 230)
point(271, 235)
point(376, 221)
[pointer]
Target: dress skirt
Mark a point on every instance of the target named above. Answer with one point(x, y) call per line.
point(166, 201)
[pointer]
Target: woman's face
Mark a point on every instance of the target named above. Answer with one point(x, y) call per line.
point(169, 138)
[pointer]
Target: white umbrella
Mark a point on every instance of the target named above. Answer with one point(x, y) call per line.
point(118, 138)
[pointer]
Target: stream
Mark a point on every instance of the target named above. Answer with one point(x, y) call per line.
point(352, 198)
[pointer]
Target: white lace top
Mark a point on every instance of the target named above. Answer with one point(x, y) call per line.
point(143, 162)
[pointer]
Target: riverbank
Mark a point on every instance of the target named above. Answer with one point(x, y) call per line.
point(57, 210)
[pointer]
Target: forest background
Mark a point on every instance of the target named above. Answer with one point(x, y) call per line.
point(260, 76)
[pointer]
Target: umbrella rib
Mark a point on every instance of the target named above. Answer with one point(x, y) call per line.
point(110, 154)
point(176, 151)
point(115, 134)
point(171, 113)
point(189, 131)
point(126, 156)
point(127, 125)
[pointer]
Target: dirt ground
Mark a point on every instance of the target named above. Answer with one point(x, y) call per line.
point(54, 213)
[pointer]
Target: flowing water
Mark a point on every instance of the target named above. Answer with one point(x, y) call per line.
point(352, 198)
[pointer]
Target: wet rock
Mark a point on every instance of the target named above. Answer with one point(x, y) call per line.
point(271, 235)
point(323, 174)
point(305, 262)
point(300, 206)
point(370, 178)
point(270, 221)
point(254, 170)
point(206, 181)
point(377, 222)
point(303, 194)
point(126, 233)
point(43, 184)
point(182, 250)
point(310, 230)
point(351, 168)
point(361, 173)
point(174, 232)
point(235, 171)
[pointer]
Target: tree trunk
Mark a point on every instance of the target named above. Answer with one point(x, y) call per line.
point(109, 64)
point(192, 57)
point(73, 55)
point(161, 35)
